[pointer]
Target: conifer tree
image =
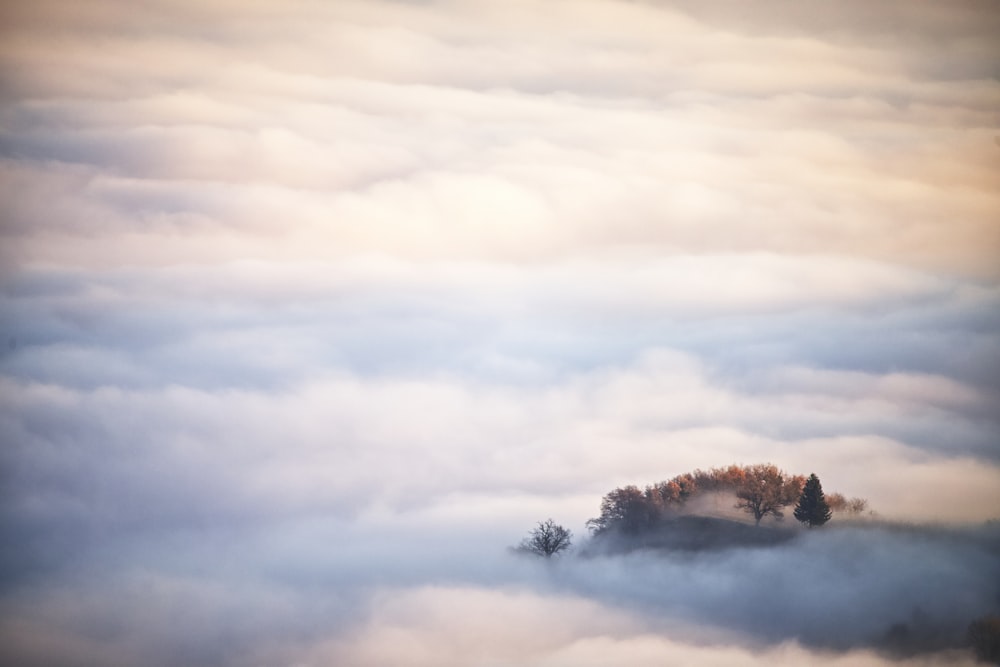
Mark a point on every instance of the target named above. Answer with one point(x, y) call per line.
point(812, 508)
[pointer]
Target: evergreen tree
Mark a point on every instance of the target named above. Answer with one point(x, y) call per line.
point(812, 508)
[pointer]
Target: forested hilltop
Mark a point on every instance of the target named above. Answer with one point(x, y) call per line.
point(702, 509)
point(761, 490)
point(703, 543)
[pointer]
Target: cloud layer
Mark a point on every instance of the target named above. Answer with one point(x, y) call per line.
point(299, 299)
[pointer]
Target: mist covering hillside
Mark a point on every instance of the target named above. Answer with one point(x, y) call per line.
point(902, 589)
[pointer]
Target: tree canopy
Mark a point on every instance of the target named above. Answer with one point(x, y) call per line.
point(761, 490)
point(764, 490)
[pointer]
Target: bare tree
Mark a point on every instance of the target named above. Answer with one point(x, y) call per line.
point(857, 506)
point(764, 489)
point(547, 539)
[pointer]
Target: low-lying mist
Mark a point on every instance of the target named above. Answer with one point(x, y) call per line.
point(902, 588)
point(418, 591)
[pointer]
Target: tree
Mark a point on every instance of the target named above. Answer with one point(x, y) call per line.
point(857, 506)
point(812, 508)
point(627, 509)
point(836, 502)
point(850, 506)
point(673, 493)
point(764, 489)
point(547, 539)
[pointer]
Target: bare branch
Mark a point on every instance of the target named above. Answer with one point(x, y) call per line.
point(547, 539)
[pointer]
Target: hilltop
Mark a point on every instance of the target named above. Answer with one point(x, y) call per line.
point(691, 532)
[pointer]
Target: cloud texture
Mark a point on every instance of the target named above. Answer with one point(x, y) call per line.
point(309, 309)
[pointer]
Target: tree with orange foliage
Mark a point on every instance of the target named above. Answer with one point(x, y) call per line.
point(765, 490)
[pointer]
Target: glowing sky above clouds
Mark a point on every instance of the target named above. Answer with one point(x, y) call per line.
point(267, 262)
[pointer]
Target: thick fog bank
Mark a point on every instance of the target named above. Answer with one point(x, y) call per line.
point(904, 588)
point(414, 591)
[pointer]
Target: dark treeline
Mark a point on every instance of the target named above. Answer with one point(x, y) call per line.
point(760, 490)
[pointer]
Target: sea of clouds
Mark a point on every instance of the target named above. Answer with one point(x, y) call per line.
point(309, 310)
